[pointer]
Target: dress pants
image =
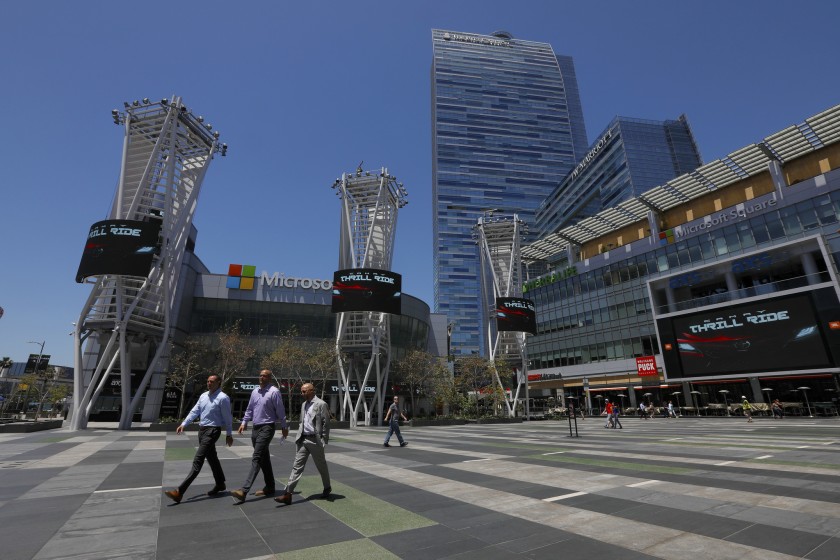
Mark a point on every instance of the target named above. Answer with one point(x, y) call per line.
point(261, 436)
point(207, 438)
point(306, 446)
point(394, 428)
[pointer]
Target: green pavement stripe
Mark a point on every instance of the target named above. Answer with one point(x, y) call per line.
point(645, 467)
point(362, 512)
point(179, 453)
point(794, 463)
point(533, 447)
point(361, 549)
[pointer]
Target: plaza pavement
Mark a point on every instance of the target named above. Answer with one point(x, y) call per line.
point(680, 489)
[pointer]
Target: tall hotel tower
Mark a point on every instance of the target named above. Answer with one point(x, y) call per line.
point(507, 126)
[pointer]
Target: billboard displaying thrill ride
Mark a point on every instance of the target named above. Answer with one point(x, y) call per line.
point(121, 247)
point(367, 289)
point(770, 335)
point(516, 314)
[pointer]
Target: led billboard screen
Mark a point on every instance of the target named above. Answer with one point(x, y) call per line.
point(367, 289)
point(516, 314)
point(122, 247)
point(769, 335)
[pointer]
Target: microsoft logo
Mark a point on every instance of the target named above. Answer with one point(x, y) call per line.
point(241, 277)
point(666, 237)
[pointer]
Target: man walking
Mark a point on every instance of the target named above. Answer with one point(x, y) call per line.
point(616, 410)
point(312, 436)
point(213, 412)
point(608, 410)
point(265, 408)
point(394, 415)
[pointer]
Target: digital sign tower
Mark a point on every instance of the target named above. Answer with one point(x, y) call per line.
point(133, 259)
point(367, 292)
point(506, 316)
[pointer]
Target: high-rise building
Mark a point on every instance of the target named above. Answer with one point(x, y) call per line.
point(628, 158)
point(507, 126)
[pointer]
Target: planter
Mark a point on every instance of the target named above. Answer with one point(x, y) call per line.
point(414, 423)
point(27, 427)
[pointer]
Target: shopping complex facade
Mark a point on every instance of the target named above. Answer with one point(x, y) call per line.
point(726, 276)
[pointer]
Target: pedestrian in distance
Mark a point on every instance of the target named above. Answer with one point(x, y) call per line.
point(213, 412)
point(671, 412)
point(393, 419)
point(616, 411)
point(312, 437)
point(608, 410)
point(747, 407)
point(778, 412)
point(265, 409)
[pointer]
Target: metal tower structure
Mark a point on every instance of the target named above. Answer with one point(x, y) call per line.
point(127, 320)
point(498, 239)
point(370, 202)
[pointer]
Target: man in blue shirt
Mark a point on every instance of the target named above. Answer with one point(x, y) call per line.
point(265, 409)
point(213, 412)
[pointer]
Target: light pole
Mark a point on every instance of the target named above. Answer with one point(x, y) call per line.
point(807, 404)
point(694, 398)
point(44, 381)
point(724, 392)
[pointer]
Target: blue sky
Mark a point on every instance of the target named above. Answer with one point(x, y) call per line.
point(302, 91)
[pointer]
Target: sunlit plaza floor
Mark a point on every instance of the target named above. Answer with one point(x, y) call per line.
point(711, 488)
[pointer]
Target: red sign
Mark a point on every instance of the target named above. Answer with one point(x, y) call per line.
point(534, 377)
point(833, 325)
point(646, 365)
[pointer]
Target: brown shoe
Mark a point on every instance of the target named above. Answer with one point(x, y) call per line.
point(264, 492)
point(286, 498)
point(174, 495)
point(216, 489)
point(238, 495)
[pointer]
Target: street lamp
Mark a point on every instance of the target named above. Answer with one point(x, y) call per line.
point(677, 396)
point(694, 398)
point(724, 392)
point(807, 404)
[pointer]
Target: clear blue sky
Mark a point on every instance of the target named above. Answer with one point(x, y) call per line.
point(302, 91)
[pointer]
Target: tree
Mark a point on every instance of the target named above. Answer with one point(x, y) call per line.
point(37, 386)
point(231, 355)
point(186, 365)
point(286, 361)
point(320, 361)
point(474, 376)
point(417, 371)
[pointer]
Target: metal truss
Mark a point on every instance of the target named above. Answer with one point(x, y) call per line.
point(126, 322)
point(499, 242)
point(370, 202)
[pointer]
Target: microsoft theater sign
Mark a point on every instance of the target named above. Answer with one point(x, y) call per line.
point(278, 279)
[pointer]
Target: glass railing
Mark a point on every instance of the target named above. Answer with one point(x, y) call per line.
point(753, 291)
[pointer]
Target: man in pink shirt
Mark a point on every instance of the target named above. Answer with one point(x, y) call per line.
point(265, 409)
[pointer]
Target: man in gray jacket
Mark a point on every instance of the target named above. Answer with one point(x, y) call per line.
point(312, 436)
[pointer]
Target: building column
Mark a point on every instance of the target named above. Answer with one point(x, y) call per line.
point(731, 282)
point(778, 177)
point(758, 396)
point(669, 296)
point(810, 267)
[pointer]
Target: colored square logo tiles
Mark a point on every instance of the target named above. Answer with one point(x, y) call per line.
point(241, 277)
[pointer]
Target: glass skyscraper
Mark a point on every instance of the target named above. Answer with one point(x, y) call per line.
point(628, 158)
point(507, 126)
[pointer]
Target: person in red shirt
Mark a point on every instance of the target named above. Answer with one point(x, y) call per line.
point(609, 411)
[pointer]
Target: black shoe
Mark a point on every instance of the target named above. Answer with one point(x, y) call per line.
point(326, 493)
point(403, 444)
point(386, 445)
point(216, 489)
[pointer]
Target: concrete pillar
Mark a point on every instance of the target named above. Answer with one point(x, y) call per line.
point(669, 296)
point(778, 177)
point(757, 395)
point(810, 267)
point(731, 282)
